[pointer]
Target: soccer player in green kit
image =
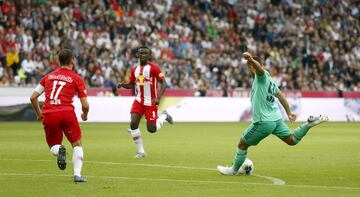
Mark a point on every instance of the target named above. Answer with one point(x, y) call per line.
point(267, 118)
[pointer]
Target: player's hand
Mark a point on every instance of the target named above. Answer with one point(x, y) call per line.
point(157, 101)
point(40, 117)
point(84, 117)
point(292, 117)
point(120, 84)
point(247, 55)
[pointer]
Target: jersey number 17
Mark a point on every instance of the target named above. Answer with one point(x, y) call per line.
point(55, 92)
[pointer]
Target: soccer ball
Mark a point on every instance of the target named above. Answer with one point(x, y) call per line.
point(246, 168)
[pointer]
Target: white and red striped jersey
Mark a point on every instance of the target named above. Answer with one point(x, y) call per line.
point(146, 80)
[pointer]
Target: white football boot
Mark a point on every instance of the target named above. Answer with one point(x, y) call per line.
point(315, 120)
point(226, 170)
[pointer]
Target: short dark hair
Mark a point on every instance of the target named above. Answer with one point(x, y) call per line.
point(258, 59)
point(144, 47)
point(65, 57)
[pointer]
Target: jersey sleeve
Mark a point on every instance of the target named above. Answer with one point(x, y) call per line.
point(157, 73)
point(81, 88)
point(41, 87)
point(42, 81)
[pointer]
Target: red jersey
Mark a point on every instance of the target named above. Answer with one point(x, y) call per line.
point(146, 80)
point(60, 87)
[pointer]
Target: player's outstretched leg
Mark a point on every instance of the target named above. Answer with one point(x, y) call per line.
point(61, 157)
point(302, 130)
point(136, 135)
point(165, 116)
point(77, 160)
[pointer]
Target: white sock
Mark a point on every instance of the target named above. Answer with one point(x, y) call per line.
point(160, 121)
point(136, 136)
point(77, 160)
point(55, 149)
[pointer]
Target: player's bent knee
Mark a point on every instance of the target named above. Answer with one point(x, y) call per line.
point(134, 125)
point(289, 140)
point(242, 145)
point(291, 143)
point(151, 129)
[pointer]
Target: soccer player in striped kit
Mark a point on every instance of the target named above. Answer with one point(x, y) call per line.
point(145, 78)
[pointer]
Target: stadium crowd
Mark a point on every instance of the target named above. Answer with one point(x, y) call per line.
point(305, 44)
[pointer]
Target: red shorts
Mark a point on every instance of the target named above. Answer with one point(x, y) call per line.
point(56, 123)
point(151, 112)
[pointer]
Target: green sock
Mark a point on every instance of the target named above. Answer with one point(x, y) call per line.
point(239, 159)
point(300, 132)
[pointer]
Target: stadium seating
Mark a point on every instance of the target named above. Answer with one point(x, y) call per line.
point(306, 45)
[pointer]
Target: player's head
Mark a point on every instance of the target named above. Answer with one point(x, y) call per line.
point(144, 54)
point(67, 58)
point(251, 67)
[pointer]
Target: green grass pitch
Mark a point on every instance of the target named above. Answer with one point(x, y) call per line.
point(181, 161)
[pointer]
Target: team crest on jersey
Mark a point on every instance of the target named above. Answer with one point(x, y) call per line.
point(141, 80)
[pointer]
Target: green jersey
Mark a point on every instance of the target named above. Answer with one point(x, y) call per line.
point(263, 103)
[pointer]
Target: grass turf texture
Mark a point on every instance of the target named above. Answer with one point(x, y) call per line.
point(325, 163)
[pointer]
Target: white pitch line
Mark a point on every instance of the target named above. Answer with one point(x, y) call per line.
point(139, 179)
point(274, 180)
point(185, 181)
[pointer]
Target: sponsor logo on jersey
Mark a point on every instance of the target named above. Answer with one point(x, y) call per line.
point(61, 77)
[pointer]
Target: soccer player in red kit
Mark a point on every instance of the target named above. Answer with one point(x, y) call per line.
point(58, 114)
point(145, 78)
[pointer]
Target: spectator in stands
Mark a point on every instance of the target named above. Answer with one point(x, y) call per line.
point(306, 45)
point(12, 62)
point(97, 80)
point(28, 67)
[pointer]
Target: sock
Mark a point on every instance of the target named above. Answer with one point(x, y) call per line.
point(136, 135)
point(300, 132)
point(160, 121)
point(55, 149)
point(239, 159)
point(78, 157)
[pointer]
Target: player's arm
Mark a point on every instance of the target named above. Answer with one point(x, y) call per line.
point(85, 108)
point(82, 95)
point(259, 69)
point(285, 104)
point(126, 85)
point(162, 84)
point(34, 101)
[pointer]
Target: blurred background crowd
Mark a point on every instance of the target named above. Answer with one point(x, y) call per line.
point(305, 44)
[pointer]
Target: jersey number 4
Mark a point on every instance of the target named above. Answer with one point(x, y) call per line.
point(55, 92)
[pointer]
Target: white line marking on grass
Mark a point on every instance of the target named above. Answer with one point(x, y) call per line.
point(274, 180)
point(185, 181)
point(136, 178)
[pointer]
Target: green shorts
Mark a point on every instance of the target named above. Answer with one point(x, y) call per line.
point(260, 130)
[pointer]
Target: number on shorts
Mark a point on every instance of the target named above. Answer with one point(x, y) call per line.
point(54, 98)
